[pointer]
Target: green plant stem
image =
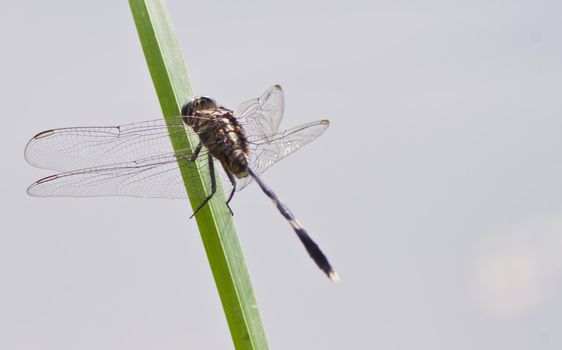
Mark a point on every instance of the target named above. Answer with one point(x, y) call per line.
point(217, 230)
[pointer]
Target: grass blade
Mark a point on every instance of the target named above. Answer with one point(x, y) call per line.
point(217, 230)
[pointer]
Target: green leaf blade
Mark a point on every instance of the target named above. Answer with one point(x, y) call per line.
point(223, 249)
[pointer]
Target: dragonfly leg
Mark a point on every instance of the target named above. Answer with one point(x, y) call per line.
point(194, 156)
point(233, 182)
point(196, 152)
point(213, 185)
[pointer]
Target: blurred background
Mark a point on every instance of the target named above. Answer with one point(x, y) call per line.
point(435, 192)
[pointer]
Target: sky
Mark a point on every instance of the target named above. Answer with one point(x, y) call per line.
point(435, 192)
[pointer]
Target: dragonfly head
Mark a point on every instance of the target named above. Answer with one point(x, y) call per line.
point(198, 103)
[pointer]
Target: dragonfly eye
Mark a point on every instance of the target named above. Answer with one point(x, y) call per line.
point(205, 102)
point(187, 109)
point(197, 104)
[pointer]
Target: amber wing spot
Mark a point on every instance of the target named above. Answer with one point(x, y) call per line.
point(48, 178)
point(38, 182)
point(44, 134)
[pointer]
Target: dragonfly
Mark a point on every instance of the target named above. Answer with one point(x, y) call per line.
point(234, 148)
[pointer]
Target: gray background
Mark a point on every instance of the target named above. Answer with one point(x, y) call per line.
point(435, 192)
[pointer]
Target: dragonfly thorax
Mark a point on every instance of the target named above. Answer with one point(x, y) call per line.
point(219, 131)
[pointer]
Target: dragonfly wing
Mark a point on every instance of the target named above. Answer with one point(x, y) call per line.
point(67, 149)
point(268, 149)
point(160, 177)
point(154, 177)
point(262, 115)
point(85, 147)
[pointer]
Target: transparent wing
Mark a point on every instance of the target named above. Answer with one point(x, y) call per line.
point(268, 149)
point(67, 149)
point(160, 177)
point(85, 147)
point(153, 177)
point(262, 115)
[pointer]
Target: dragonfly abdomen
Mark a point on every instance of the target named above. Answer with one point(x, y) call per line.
point(231, 148)
point(236, 162)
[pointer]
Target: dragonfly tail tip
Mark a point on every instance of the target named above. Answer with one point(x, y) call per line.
point(333, 276)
